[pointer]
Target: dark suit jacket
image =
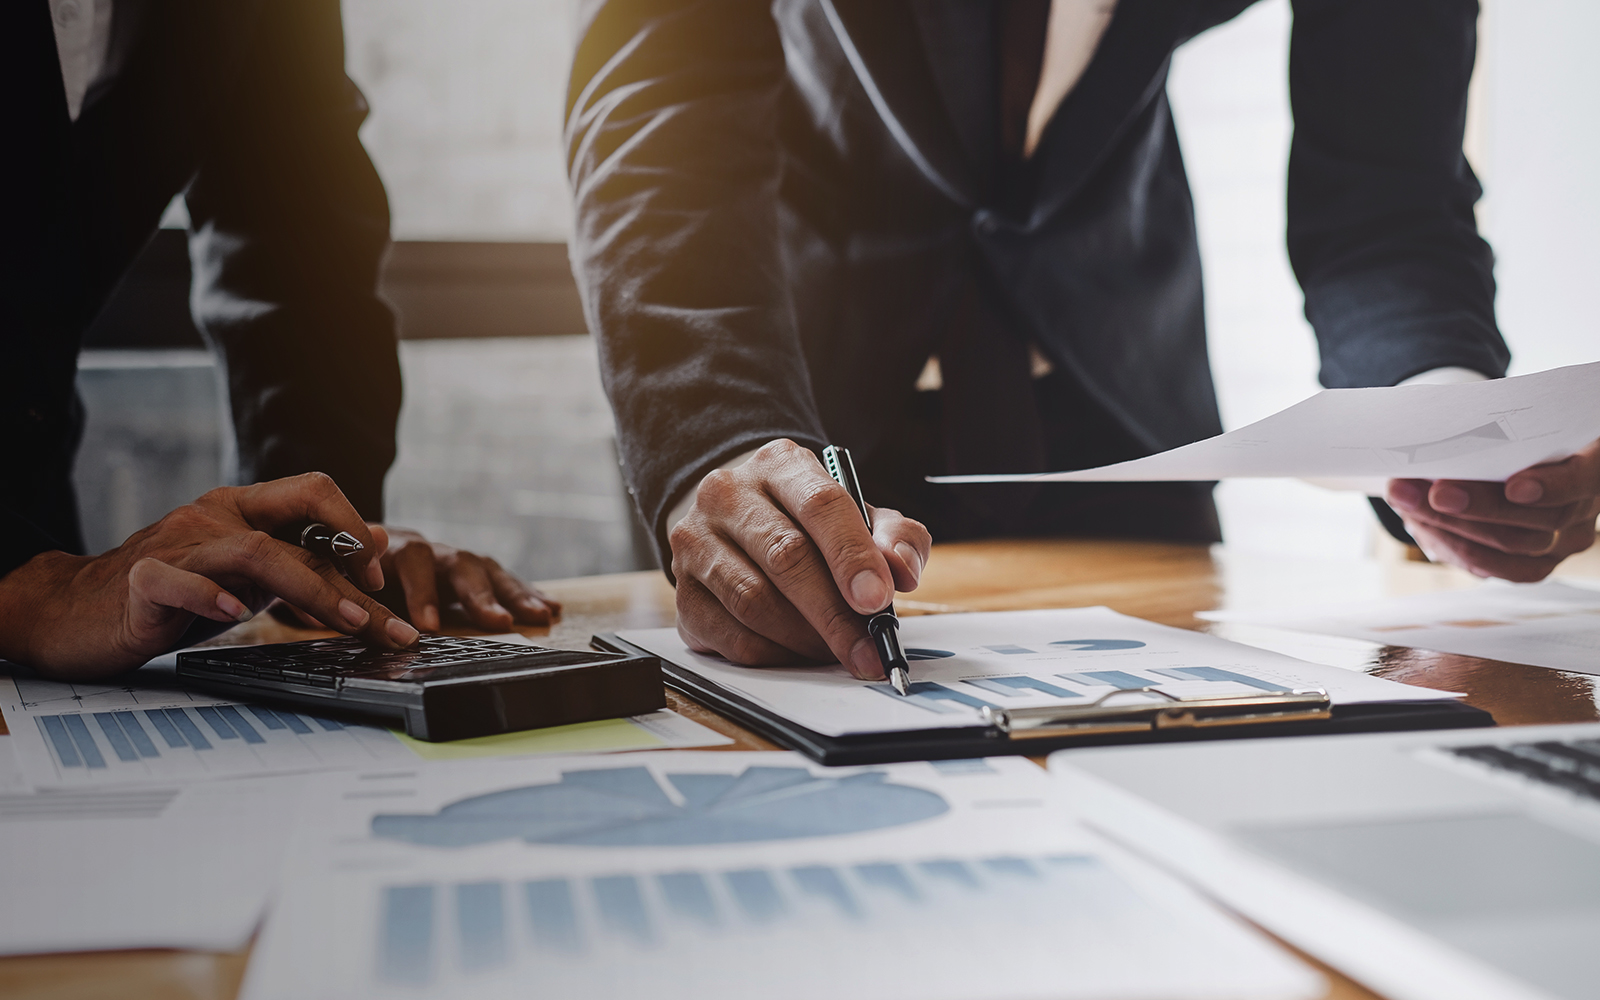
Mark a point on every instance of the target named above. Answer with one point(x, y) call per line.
point(776, 204)
point(245, 108)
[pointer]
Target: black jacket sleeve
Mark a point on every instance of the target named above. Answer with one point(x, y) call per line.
point(1380, 199)
point(289, 225)
point(674, 161)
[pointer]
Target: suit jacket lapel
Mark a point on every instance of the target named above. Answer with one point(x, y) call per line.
point(882, 41)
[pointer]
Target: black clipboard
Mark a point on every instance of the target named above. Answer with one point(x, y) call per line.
point(993, 741)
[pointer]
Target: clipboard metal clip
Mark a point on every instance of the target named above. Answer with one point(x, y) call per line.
point(1160, 710)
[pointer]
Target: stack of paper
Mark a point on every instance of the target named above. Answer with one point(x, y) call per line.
point(154, 817)
point(1546, 624)
point(707, 876)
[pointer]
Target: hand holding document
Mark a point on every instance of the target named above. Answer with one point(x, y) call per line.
point(1358, 439)
point(683, 876)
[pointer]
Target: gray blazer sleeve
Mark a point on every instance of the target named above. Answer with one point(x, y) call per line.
point(1380, 199)
point(674, 161)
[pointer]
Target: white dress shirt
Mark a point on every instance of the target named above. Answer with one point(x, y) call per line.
point(83, 34)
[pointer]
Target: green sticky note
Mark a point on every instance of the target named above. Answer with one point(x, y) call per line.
point(580, 737)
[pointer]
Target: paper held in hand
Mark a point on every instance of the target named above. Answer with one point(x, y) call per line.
point(1356, 439)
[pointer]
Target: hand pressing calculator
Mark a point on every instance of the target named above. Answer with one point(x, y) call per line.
point(444, 688)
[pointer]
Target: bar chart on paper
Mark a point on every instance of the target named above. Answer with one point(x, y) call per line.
point(698, 928)
point(82, 735)
point(962, 664)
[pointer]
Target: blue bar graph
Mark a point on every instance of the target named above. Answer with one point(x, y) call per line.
point(552, 916)
point(56, 732)
point(246, 731)
point(294, 722)
point(328, 724)
point(1119, 679)
point(83, 740)
point(190, 731)
point(116, 737)
point(622, 907)
point(890, 877)
point(930, 696)
point(481, 924)
point(419, 943)
point(1218, 674)
point(688, 895)
point(1007, 687)
point(164, 726)
point(217, 722)
point(953, 872)
point(815, 880)
point(757, 894)
point(405, 950)
point(1011, 867)
point(268, 717)
point(136, 735)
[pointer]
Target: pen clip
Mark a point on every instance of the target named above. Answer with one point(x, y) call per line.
point(843, 470)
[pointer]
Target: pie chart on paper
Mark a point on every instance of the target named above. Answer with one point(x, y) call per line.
point(629, 807)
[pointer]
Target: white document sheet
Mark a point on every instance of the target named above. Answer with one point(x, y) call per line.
point(1359, 438)
point(1546, 624)
point(684, 876)
point(147, 867)
point(1015, 659)
point(139, 729)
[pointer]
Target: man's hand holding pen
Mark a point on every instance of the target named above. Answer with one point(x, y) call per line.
point(775, 564)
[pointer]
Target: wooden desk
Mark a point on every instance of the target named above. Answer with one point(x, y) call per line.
point(1164, 583)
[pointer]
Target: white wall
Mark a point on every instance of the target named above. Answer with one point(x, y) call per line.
point(1542, 176)
point(466, 113)
point(1230, 94)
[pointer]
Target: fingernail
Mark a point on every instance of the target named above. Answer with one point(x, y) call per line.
point(1449, 499)
point(864, 662)
point(912, 560)
point(374, 576)
point(233, 607)
point(400, 632)
point(868, 592)
point(1524, 490)
point(499, 609)
point(1404, 493)
point(430, 618)
point(353, 613)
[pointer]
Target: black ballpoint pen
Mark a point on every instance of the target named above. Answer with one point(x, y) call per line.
point(884, 627)
point(319, 539)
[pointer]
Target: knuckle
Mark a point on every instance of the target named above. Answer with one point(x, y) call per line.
point(788, 551)
point(779, 450)
point(747, 596)
point(717, 490)
point(255, 546)
point(319, 484)
point(820, 497)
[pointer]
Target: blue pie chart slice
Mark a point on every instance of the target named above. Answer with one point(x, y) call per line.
point(1096, 645)
point(626, 807)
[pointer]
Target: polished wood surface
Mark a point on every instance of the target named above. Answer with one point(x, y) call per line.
point(1162, 582)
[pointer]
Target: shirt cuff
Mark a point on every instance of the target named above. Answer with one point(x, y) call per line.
point(1446, 376)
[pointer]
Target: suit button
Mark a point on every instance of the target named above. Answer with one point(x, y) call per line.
point(985, 222)
point(34, 415)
